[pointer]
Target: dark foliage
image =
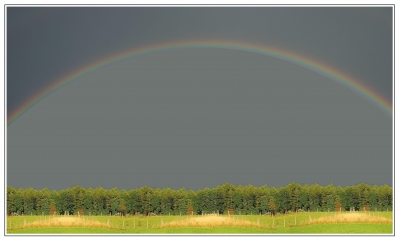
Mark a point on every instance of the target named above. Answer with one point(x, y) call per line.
point(222, 199)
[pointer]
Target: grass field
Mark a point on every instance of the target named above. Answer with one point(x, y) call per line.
point(300, 223)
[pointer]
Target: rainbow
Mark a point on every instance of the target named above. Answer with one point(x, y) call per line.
point(311, 64)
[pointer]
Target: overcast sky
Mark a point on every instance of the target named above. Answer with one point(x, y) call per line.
point(197, 118)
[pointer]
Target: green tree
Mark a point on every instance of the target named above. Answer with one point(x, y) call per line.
point(145, 194)
point(282, 200)
point(79, 194)
point(30, 201)
point(385, 198)
point(315, 197)
point(11, 207)
point(88, 202)
point(249, 199)
point(304, 198)
point(329, 197)
point(133, 202)
point(373, 198)
point(155, 203)
point(99, 202)
point(363, 191)
point(238, 200)
point(166, 201)
point(294, 191)
point(265, 204)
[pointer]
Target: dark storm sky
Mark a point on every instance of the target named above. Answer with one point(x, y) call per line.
point(197, 118)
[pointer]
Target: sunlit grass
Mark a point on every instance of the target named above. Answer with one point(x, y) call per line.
point(210, 221)
point(65, 222)
point(307, 222)
point(350, 218)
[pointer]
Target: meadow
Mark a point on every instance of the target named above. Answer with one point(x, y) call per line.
point(294, 223)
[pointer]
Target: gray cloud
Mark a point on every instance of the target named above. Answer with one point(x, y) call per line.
point(199, 118)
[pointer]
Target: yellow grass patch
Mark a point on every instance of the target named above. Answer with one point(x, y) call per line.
point(67, 222)
point(210, 221)
point(350, 218)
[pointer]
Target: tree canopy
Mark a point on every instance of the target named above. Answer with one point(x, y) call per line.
point(238, 199)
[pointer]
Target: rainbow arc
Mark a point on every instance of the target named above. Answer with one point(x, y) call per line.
point(314, 65)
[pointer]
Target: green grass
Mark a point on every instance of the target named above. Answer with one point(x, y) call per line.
point(281, 224)
point(340, 229)
point(64, 231)
point(312, 229)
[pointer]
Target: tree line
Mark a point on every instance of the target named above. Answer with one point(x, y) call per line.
point(221, 199)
